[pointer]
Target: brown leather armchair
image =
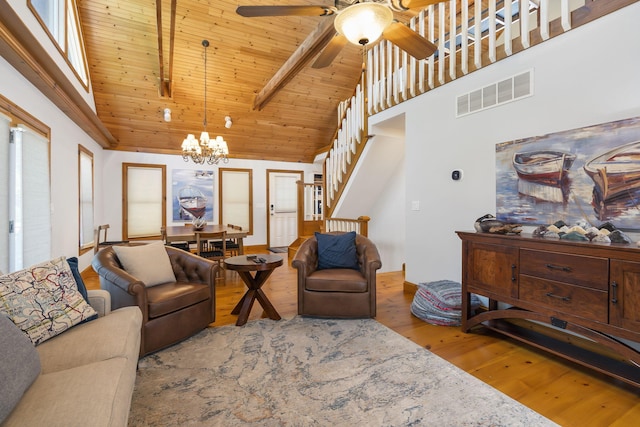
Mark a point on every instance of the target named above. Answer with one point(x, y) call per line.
point(340, 293)
point(171, 311)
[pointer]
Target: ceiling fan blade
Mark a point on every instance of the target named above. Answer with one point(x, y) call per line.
point(417, 4)
point(330, 52)
point(257, 11)
point(409, 41)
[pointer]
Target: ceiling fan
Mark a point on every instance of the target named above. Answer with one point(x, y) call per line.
point(358, 22)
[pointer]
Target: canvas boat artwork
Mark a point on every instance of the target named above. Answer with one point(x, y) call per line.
point(545, 166)
point(591, 174)
point(616, 173)
point(192, 202)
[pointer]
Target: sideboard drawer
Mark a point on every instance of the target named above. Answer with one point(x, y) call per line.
point(575, 300)
point(588, 271)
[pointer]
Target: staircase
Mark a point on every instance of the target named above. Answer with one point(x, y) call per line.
point(392, 77)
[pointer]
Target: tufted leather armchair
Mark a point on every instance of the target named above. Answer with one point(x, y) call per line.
point(340, 293)
point(171, 311)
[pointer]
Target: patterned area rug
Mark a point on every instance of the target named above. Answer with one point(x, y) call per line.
point(313, 372)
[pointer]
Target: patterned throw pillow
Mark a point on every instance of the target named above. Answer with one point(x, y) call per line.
point(43, 300)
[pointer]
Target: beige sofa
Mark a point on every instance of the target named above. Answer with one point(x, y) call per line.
point(87, 373)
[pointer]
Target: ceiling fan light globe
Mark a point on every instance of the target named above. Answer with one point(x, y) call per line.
point(363, 23)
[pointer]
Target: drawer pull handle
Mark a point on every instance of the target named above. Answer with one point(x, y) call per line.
point(549, 294)
point(614, 288)
point(513, 272)
point(558, 267)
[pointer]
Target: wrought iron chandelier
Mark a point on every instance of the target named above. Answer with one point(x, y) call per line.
point(210, 151)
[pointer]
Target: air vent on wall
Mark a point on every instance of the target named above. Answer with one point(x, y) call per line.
point(507, 90)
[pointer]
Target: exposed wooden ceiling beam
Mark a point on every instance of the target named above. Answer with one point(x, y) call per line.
point(165, 82)
point(307, 50)
point(160, 49)
point(172, 39)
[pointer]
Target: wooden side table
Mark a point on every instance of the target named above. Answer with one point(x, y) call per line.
point(245, 266)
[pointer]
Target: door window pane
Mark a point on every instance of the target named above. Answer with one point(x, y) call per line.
point(285, 196)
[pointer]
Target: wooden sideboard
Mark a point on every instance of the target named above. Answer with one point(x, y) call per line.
point(583, 288)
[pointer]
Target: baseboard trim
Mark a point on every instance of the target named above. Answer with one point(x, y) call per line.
point(409, 288)
point(256, 249)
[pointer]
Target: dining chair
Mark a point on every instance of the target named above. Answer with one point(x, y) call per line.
point(207, 249)
point(100, 240)
point(180, 244)
point(232, 244)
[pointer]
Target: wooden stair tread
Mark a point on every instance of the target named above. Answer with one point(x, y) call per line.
point(293, 247)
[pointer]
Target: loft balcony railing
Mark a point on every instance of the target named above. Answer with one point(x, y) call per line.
point(470, 35)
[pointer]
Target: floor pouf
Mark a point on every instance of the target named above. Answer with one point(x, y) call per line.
point(439, 303)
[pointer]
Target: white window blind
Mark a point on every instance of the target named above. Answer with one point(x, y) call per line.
point(29, 199)
point(285, 198)
point(86, 199)
point(145, 193)
point(235, 195)
point(5, 133)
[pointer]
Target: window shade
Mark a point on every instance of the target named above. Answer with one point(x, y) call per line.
point(285, 199)
point(86, 200)
point(235, 196)
point(4, 192)
point(144, 201)
point(35, 208)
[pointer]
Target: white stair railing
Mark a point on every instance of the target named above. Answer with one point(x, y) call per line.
point(393, 76)
point(347, 145)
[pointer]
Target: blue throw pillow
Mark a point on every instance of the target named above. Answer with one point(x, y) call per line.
point(73, 263)
point(337, 251)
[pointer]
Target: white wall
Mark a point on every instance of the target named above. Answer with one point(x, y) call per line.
point(65, 137)
point(112, 192)
point(375, 189)
point(585, 77)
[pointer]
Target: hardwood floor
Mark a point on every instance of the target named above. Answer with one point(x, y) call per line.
point(563, 392)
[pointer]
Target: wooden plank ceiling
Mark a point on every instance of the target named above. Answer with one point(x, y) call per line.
point(126, 64)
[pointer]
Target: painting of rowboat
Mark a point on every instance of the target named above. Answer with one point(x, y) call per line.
point(192, 202)
point(192, 195)
point(544, 166)
point(616, 173)
point(588, 174)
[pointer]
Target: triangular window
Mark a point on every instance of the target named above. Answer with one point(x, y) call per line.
point(60, 20)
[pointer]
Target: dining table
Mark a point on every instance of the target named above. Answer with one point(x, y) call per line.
point(187, 232)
